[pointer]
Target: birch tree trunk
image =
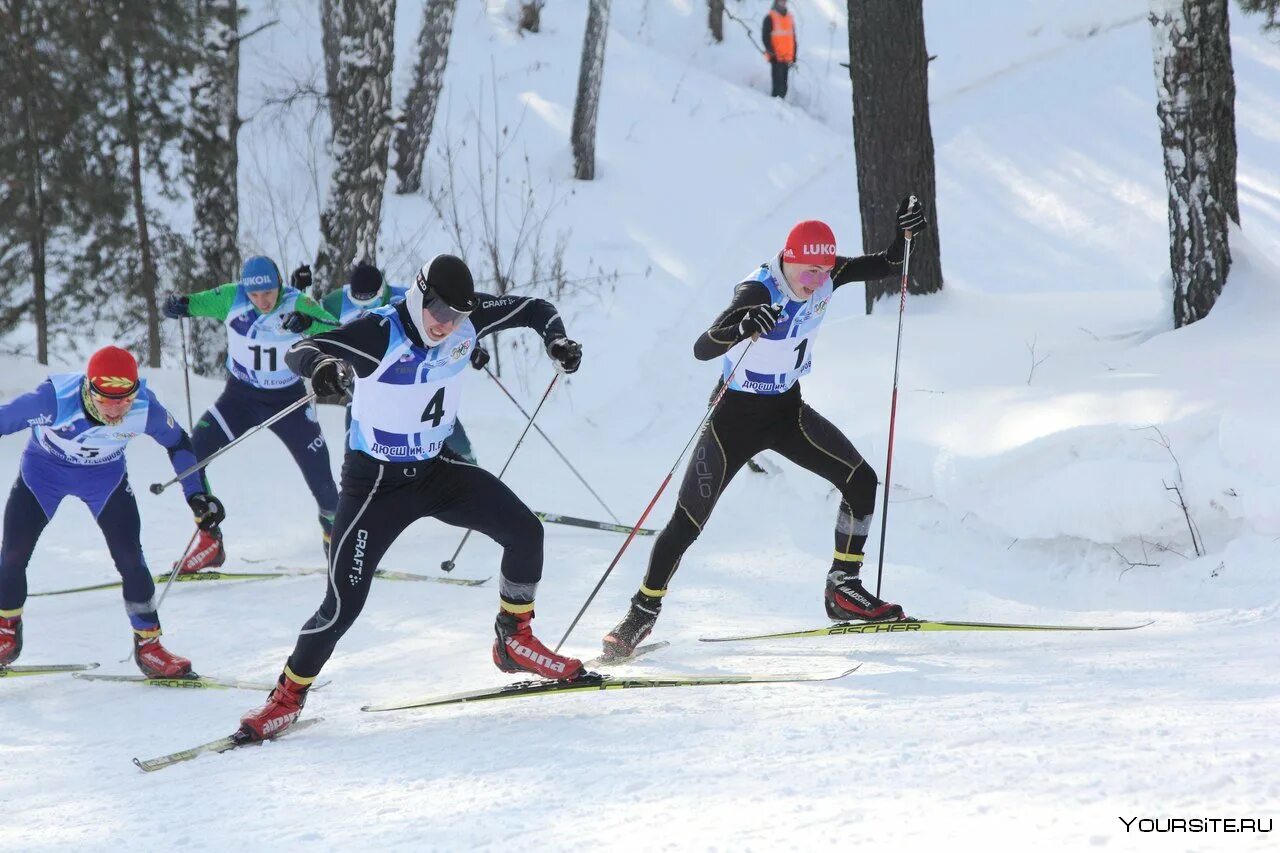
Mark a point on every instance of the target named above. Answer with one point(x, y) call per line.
point(1195, 85)
point(414, 134)
point(363, 35)
point(587, 104)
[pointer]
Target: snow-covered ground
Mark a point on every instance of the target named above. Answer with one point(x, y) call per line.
point(1018, 494)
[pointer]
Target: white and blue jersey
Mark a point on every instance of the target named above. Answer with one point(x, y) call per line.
point(352, 310)
point(407, 391)
point(71, 454)
point(257, 342)
point(405, 409)
point(777, 360)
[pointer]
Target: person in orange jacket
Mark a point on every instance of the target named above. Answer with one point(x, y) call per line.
point(779, 38)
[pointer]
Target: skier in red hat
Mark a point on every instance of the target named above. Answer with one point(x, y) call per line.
point(768, 332)
point(80, 424)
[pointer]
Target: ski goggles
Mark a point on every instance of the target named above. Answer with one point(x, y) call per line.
point(813, 278)
point(112, 388)
point(435, 305)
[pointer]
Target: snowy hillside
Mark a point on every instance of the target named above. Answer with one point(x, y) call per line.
point(1028, 477)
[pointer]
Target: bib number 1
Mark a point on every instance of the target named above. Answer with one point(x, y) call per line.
point(804, 344)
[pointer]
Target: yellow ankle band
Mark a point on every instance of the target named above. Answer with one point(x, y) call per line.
point(652, 593)
point(297, 679)
point(515, 608)
point(849, 558)
point(9, 614)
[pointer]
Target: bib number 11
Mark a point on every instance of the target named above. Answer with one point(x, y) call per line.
point(257, 356)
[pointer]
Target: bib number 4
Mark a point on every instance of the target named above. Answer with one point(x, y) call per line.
point(434, 412)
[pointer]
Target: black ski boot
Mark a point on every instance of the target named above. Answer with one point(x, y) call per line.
point(847, 599)
point(621, 642)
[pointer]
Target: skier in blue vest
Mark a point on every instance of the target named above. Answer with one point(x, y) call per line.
point(259, 384)
point(80, 424)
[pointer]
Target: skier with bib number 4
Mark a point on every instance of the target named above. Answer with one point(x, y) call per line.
point(776, 312)
point(254, 311)
point(80, 424)
point(403, 365)
point(366, 291)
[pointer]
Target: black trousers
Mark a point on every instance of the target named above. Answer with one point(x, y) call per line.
point(742, 426)
point(378, 501)
point(780, 70)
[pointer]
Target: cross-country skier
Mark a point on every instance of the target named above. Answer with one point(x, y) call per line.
point(403, 364)
point(260, 383)
point(80, 424)
point(780, 307)
point(367, 291)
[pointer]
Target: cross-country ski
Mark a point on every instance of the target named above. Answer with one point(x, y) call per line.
point(222, 744)
point(916, 626)
point(592, 682)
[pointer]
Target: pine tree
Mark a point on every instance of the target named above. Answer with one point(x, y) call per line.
point(1269, 8)
point(211, 165)
point(47, 153)
point(1195, 85)
point(142, 53)
point(358, 41)
point(892, 136)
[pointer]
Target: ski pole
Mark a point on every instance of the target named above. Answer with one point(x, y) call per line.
point(448, 564)
point(715, 401)
point(186, 372)
point(176, 567)
point(157, 488)
point(893, 413)
point(569, 464)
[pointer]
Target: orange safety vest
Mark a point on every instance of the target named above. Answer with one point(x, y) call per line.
point(783, 38)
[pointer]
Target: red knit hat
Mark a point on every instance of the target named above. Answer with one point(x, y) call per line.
point(811, 242)
point(112, 372)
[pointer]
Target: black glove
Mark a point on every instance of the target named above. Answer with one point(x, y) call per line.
point(911, 217)
point(175, 306)
point(301, 277)
point(479, 358)
point(332, 377)
point(759, 320)
point(296, 322)
point(568, 353)
point(208, 510)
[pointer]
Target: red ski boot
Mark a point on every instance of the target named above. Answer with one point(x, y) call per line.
point(847, 599)
point(155, 660)
point(205, 553)
point(517, 650)
point(10, 638)
point(283, 707)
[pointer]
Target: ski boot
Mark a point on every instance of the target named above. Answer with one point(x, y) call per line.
point(847, 599)
point(155, 660)
point(10, 638)
point(283, 707)
point(205, 553)
point(517, 650)
point(621, 642)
